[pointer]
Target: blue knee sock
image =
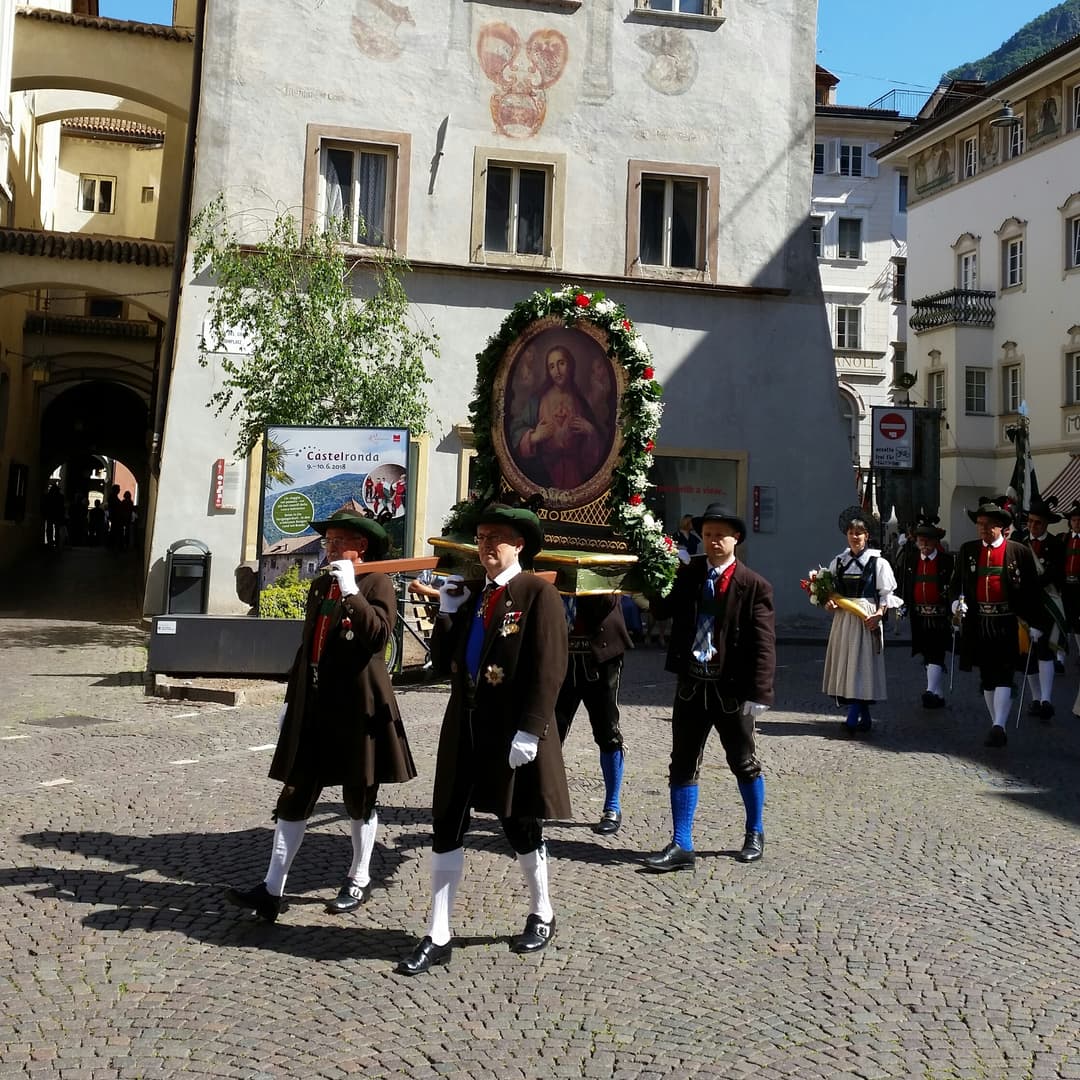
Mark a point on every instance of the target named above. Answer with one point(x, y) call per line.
point(683, 805)
point(853, 714)
point(753, 797)
point(611, 765)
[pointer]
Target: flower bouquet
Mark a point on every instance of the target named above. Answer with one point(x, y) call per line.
point(820, 586)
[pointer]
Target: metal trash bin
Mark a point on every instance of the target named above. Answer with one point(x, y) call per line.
point(187, 579)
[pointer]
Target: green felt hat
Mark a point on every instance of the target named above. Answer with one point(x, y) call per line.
point(378, 541)
point(993, 510)
point(523, 521)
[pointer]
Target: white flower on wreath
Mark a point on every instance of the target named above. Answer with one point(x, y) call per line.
point(604, 307)
point(814, 600)
point(638, 346)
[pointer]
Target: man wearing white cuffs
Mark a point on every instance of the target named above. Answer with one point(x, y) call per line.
point(340, 723)
point(502, 639)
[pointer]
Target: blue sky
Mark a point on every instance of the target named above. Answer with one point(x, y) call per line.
point(871, 45)
point(874, 46)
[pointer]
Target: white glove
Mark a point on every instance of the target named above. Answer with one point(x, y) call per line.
point(1034, 632)
point(753, 708)
point(684, 555)
point(959, 607)
point(342, 571)
point(449, 598)
point(523, 749)
point(281, 716)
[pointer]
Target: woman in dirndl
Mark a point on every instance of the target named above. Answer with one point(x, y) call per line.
point(855, 654)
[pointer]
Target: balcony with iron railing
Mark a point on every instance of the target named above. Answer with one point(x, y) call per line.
point(957, 307)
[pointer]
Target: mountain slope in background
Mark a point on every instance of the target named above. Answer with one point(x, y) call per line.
point(1032, 40)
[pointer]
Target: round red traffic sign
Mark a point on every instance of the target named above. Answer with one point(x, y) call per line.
point(892, 426)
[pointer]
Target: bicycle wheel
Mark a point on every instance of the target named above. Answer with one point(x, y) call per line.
point(392, 654)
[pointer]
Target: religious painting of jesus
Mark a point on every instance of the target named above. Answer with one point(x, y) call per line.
point(556, 412)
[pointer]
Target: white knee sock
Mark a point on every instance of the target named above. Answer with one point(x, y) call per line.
point(935, 679)
point(1002, 704)
point(534, 866)
point(287, 839)
point(1046, 678)
point(988, 697)
point(446, 868)
point(363, 844)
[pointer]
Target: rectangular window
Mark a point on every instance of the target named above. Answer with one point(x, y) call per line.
point(899, 291)
point(687, 7)
point(819, 158)
point(358, 186)
point(967, 271)
point(147, 194)
point(816, 225)
point(850, 243)
point(1016, 139)
point(1072, 379)
point(935, 389)
point(515, 209)
point(1073, 225)
point(1013, 263)
point(104, 307)
point(971, 156)
point(847, 327)
point(96, 194)
point(1012, 389)
point(975, 390)
point(670, 222)
point(901, 193)
point(899, 361)
point(1076, 107)
point(851, 159)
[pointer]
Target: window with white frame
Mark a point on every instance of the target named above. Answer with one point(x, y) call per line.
point(819, 158)
point(899, 360)
point(975, 400)
point(97, 194)
point(358, 179)
point(1072, 378)
point(935, 389)
point(971, 156)
point(1016, 137)
point(901, 193)
point(967, 271)
point(1012, 388)
point(899, 289)
point(851, 159)
point(358, 187)
point(1076, 107)
point(847, 327)
point(817, 224)
point(1012, 262)
point(684, 7)
point(518, 206)
point(849, 241)
point(669, 226)
point(1072, 240)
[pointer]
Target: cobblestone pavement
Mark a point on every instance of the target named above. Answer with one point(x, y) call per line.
point(915, 916)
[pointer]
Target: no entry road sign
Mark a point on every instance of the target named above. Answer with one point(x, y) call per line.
point(892, 442)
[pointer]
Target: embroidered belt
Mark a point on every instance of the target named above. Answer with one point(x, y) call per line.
point(697, 670)
point(994, 609)
point(579, 645)
point(929, 609)
point(1072, 579)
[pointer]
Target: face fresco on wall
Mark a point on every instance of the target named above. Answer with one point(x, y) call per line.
point(375, 26)
point(521, 73)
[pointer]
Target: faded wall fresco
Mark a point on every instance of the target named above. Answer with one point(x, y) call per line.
point(522, 73)
point(376, 25)
point(674, 64)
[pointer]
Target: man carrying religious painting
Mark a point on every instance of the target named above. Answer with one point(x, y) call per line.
point(501, 637)
point(723, 650)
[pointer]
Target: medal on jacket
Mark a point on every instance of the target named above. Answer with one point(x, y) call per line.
point(346, 628)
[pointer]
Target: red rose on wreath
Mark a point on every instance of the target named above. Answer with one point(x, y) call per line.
point(581, 300)
point(669, 543)
point(635, 500)
point(650, 446)
point(626, 325)
point(648, 373)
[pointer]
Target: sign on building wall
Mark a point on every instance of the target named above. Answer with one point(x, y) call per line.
point(309, 473)
point(892, 444)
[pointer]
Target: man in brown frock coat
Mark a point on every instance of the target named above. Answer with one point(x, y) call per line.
point(502, 639)
point(340, 723)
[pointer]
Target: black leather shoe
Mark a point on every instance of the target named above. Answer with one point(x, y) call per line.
point(672, 857)
point(536, 935)
point(753, 847)
point(258, 900)
point(426, 955)
point(1046, 712)
point(350, 897)
point(1035, 709)
point(997, 736)
point(932, 701)
point(864, 725)
point(609, 822)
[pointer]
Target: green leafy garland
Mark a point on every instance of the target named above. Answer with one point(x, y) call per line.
point(640, 413)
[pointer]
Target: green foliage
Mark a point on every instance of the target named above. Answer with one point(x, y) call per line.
point(286, 598)
point(318, 354)
point(1029, 42)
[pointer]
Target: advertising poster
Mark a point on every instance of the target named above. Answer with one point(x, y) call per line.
point(309, 473)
